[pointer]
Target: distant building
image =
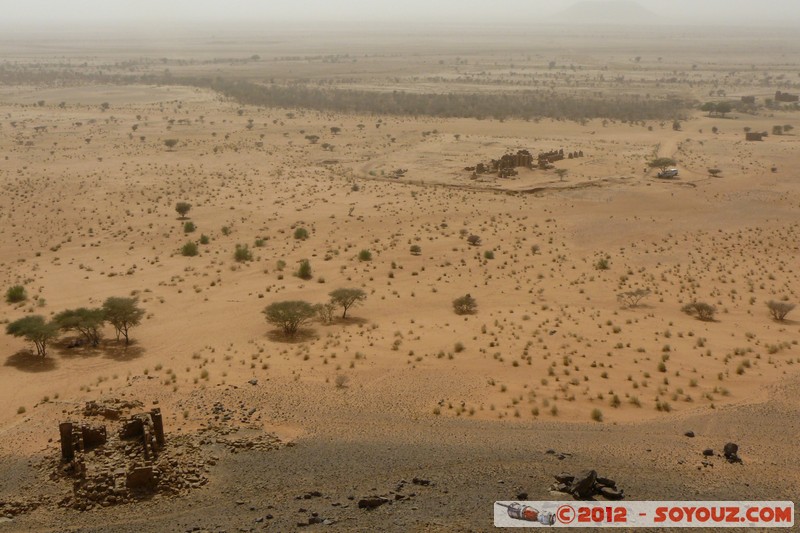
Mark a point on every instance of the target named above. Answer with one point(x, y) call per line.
point(786, 97)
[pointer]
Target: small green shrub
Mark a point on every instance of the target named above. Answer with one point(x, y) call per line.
point(189, 249)
point(304, 272)
point(242, 253)
point(16, 294)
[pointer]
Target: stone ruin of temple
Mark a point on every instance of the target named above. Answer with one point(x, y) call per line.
point(108, 467)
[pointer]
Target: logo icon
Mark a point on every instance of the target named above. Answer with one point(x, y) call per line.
point(529, 514)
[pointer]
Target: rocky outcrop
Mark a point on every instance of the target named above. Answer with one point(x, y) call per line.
point(586, 485)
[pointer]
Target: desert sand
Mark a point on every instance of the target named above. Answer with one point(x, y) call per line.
point(403, 387)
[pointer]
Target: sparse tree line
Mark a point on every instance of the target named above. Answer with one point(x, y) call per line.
point(122, 313)
point(778, 310)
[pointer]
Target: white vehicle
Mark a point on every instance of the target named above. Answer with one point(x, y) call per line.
point(668, 173)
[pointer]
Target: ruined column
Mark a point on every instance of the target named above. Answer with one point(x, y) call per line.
point(67, 451)
point(158, 426)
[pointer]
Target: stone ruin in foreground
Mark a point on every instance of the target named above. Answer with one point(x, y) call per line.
point(131, 461)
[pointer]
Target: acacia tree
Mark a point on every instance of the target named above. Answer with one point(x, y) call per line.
point(347, 298)
point(123, 314)
point(662, 163)
point(779, 310)
point(87, 322)
point(289, 315)
point(170, 143)
point(723, 108)
point(632, 298)
point(36, 329)
point(700, 310)
point(325, 312)
point(183, 208)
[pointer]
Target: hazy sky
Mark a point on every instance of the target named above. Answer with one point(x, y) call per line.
point(57, 12)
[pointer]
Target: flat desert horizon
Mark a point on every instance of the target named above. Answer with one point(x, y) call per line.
point(376, 281)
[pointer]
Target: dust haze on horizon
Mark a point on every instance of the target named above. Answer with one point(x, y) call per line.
point(46, 14)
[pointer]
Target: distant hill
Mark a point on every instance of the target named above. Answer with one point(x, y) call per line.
point(606, 12)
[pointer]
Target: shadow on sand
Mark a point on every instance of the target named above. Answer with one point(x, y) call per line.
point(27, 361)
point(349, 321)
point(303, 335)
point(111, 349)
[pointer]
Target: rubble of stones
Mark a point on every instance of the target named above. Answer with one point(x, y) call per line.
point(236, 438)
point(403, 492)
point(586, 485)
point(506, 166)
point(12, 508)
point(373, 502)
point(558, 455)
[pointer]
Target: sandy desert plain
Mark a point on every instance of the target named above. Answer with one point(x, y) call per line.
point(440, 413)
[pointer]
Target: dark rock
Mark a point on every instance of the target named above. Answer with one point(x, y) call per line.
point(522, 496)
point(253, 381)
point(372, 502)
point(582, 486)
point(611, 494)
point(708, 452)
point(564, 477)
point(550, 451)
point(606, 482)
point(420, 481)
point(560, 487)
point(731, 451)
point(689, 434)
